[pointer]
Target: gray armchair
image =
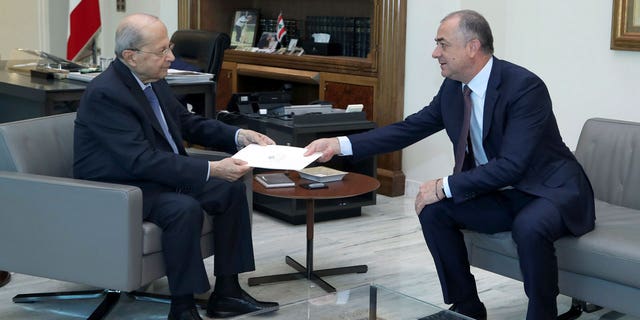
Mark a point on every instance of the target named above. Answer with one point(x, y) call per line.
point(57, 227)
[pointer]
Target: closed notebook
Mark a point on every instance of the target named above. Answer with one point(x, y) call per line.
point(275, 180)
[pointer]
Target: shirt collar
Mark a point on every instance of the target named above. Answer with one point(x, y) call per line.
point(479, 83)
point(142, 84)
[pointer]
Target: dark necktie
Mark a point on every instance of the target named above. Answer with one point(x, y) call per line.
point(155, 105)
point(464, 140)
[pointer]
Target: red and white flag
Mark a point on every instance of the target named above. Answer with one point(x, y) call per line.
point(281, 31)
point(84, 25)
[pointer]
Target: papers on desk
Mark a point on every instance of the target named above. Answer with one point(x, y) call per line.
point(276, 157)
point(84, 77)
point(173, 76)
point(183, 76)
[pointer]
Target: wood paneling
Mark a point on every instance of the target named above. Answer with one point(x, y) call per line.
point(382, 70)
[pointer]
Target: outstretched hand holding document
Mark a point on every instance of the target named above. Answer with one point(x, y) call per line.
point(275, 157)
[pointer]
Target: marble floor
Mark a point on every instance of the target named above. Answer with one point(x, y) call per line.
point(386, 237)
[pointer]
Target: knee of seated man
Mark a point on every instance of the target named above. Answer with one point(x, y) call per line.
point(526, 233)
point(433, 214)
point(190, 210)
point(234, 189)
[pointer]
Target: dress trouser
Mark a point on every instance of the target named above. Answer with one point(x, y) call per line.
point(180, 216)
point(535, 224)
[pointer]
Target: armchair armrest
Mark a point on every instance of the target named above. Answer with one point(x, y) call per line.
point(207, 154)
point(218, 155)
point(70, 229)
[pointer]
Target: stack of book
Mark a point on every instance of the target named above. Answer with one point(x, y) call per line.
point(184, 76)
point(174, 76)
point(275, 180)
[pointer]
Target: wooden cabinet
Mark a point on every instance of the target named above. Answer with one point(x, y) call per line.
point(376, 81)
point(225, 85)
point(345, 89)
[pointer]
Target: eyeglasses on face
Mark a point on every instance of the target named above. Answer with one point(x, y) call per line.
point(162, 53)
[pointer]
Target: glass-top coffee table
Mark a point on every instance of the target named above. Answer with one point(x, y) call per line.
point(367, 302)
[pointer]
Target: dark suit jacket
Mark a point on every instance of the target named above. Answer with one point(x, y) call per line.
point(520, 137)
point(118, 139)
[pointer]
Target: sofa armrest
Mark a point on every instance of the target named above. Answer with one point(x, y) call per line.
point(70, 229)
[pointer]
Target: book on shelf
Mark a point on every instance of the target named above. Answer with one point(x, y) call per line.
point(351, 33)
point(275, 180)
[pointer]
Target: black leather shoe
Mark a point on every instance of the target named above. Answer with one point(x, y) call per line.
point(478, 312)
point(226, 307)
point(191, 314)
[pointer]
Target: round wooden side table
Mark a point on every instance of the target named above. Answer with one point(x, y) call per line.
point(353, 184)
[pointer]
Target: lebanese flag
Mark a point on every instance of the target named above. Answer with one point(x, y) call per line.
point(84, 25)
point(281, 31)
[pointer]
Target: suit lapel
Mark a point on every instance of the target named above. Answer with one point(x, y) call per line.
point(491, 97)
point(127, 78)
point(453, 113)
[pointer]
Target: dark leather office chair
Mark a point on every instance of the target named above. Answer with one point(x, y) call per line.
point(203, 49)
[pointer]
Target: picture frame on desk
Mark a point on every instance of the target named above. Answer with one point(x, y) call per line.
point(268, 41)
point(244, 28)
point(625, 27)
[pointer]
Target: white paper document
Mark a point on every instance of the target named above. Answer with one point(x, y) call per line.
point(184, 76)
point(276, 157)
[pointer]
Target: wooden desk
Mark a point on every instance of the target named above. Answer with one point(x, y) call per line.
point(352, 184)
point(47, 94)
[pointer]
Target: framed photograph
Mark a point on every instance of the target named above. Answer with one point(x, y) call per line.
point(625, 27)
point(243, 30)
point(292, 44)
point(267, 41)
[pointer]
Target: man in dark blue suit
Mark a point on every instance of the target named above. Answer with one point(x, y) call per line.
point(130, 130)
point(513, 172)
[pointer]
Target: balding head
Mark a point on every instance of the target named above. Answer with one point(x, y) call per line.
point(131, 31)
point(143, 45)
point(473, 25)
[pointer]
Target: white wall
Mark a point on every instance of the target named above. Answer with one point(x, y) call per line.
point(570, 52)
point(22, 25)
point(166, 10)
point(42, 24)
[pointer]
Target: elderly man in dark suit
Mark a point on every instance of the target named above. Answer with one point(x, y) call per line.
point(512, 170)
point(130, 128)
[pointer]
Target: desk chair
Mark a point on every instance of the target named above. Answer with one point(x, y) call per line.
point(205, 51)
point(87, 232)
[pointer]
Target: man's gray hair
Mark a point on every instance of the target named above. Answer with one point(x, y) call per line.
point(474, 25)
point(128, 35)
